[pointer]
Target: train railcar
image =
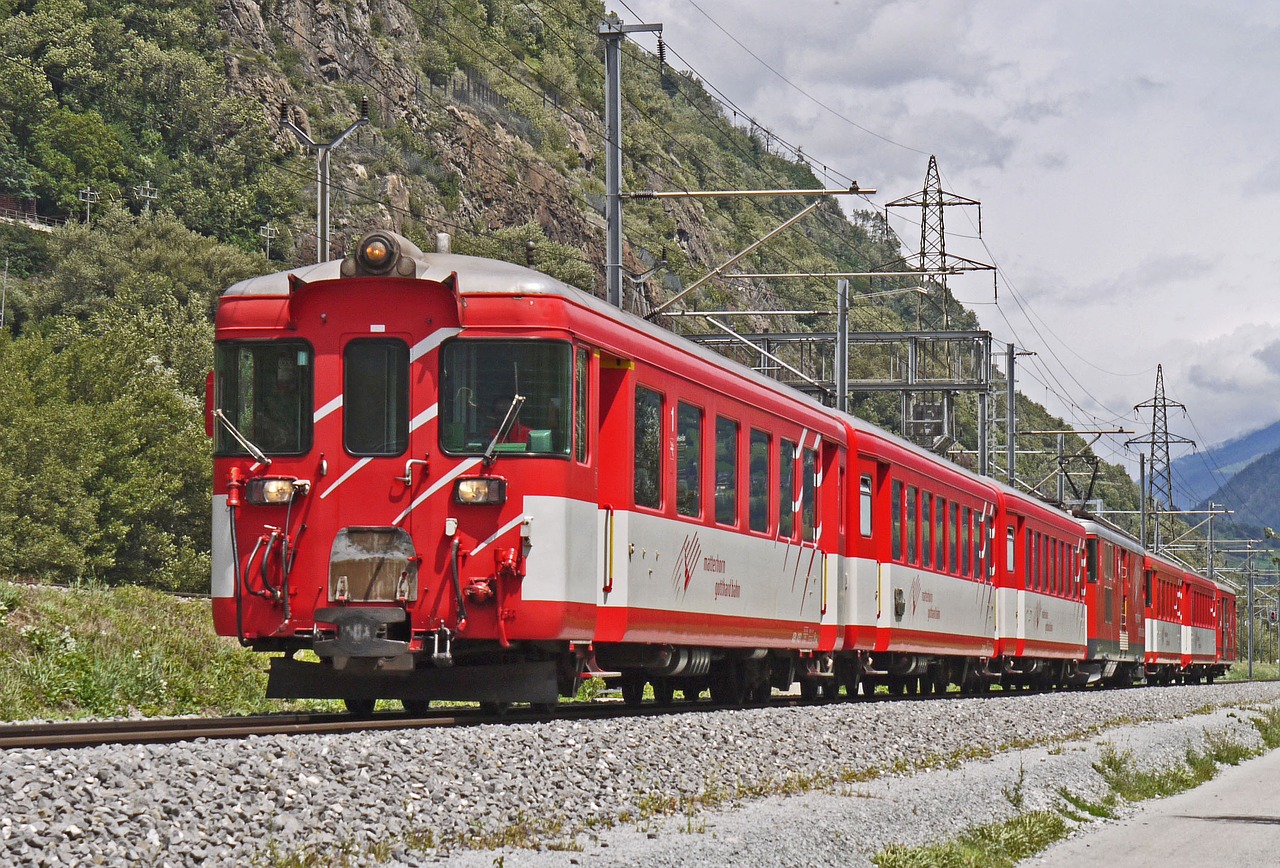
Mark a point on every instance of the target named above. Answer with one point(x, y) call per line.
point(1117, 623)
point(1042, 617)
point(1226, 630)
point(1199, 627)
point(451, 477)
point(927, 601)
point(1162, 592)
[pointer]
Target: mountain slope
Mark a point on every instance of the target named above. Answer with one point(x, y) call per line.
point(1200, 475)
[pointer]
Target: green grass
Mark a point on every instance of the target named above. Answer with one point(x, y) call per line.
point(70, 653)
point(992, 845)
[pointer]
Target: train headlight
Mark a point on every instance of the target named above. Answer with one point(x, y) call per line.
point(481, 489)
point(269, 490)
point(378, 253)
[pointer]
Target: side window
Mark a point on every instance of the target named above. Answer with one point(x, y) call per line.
point(864, 506)
point(581, 410)
point(1010, 537)
point(912, 524)
point(940, 534)
point(896, 513)
point(1029, 545)
point(966, 542)
point(809, 495)
point(786, 489)
point(375, 407)
point(926, 528)
point(726, 471)
point(953, 537)
point(1091, 560)
point(688, 460)
point(759, 484)
point(648, 448)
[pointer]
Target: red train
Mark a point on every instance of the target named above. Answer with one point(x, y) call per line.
point(445, 477)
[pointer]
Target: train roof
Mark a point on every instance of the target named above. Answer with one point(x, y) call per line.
point(481, 276)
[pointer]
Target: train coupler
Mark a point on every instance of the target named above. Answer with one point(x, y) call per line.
point(442, 648)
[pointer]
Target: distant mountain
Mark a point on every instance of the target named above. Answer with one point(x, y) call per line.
point(1252, 494)
point(1202, 474)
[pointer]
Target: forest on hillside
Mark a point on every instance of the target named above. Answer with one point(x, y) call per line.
point(155, 128)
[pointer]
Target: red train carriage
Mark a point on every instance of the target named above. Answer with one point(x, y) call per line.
point(924, 602)
point(457, 478)
point(1226, 639)
point(1162, 591)
point(1041, 617)
point(1200, 624)
point(1117, 630)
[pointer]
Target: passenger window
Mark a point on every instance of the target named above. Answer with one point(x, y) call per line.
point(966, 532)
point(896, 513)
point(940, 533)
point(809, 496)
point(953, 538)
point(911, 524)
point(375, 409)
point(1010, 537)
point(787, 489)
point(864, 505)
point(759, 486)
point(688, 460)
point(648, 448)
point(926, 528)
point(581, 410)
point(726, 471)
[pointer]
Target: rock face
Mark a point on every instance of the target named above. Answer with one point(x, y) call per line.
point(457, 159)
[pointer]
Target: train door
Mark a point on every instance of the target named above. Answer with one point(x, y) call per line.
point(618, 455)
point(869, 492)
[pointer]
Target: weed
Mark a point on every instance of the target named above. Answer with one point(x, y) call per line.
point(993, 844)
point(1268, 726)
point(1103, 810)
point(1014, 794)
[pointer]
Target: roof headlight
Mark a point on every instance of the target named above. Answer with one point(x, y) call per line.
point(378, 253)
point(270, 490)
point(481, 490)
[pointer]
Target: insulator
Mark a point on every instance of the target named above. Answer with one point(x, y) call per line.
point(364, 108)
point(284, 111)
point(662, 56)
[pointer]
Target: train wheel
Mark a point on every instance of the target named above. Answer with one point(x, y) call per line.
point(543, 709)
point(897, 685)
point(495, 709)
point(808, 690)
point(632, 691)
point(417, 707)
point(360, 707)
point(831, 690)
point(664, 691)
point(762, 693)
point(729, 685)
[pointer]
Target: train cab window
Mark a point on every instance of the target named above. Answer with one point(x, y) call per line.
point(809, 496)
point(864, 506)
point(581, 400)
point(264, 388)
point(1091, 561)
point(648, 448)
point(926, 529)
point(726, 471)
point(911, 524)
point(481, 384)
point(688, 460)
point(966, 542)
point(758, 491)
point(786, 489)
point(375, 403)
point(896, 513)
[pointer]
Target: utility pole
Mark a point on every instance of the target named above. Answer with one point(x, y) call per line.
point(1161, 475)
point(842, 345)
point(612, 30)
point(88, 196)
point(4, 291)
point(267, 231)
point(147, 193)
point(322, 170)
point(1010, 397)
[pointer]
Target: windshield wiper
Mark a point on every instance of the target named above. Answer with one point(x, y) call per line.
point(507, 422)
point(242, 440)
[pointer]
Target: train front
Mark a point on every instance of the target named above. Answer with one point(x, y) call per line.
point(365, 461)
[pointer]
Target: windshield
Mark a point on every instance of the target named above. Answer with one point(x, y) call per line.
point(264, 389)
point(479, 380)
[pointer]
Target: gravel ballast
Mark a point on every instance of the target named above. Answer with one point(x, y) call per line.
point(678, 789)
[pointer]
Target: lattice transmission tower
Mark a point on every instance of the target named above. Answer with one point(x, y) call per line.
point(1160, 476)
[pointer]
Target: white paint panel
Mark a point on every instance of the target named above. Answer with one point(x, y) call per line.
point(430, 342)
point(1164, 637)
point(327, 409)
point(561, 564)
point(222, 582)
point(1198, 641)
point(1046, 618)
point(858, 594)
point(942, 604)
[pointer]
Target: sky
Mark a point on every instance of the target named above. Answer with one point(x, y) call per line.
point(1126, 154)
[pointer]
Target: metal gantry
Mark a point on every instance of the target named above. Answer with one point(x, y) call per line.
point(323, 150)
